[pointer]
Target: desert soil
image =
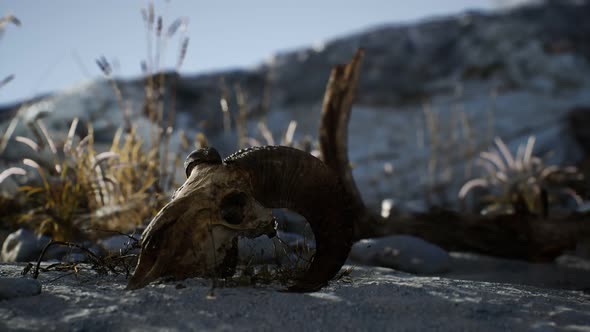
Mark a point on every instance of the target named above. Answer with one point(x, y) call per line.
point(369, 299)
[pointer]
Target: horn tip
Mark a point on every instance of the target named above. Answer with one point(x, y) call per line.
point(206, 155)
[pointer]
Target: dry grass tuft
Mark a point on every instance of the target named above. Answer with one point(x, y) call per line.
point(80, 186)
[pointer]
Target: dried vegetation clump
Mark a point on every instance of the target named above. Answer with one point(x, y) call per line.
point(78, 186)
point(82, 189)
point(522, 183)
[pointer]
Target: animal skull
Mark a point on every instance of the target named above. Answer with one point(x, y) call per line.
point(195, 234)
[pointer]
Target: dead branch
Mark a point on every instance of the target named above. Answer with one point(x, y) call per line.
point(526, 237)
point(88, 252)
point(100, 264)
point(333, 134)
point(520, 236)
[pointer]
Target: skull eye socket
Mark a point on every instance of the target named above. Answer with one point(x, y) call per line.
point(232, 208)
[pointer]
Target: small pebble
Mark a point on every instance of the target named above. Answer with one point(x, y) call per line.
point(401, 252)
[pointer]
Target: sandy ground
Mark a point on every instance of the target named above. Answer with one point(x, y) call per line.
point(567, 272)
point(369, 299)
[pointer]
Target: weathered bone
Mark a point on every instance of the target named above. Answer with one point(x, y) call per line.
point(189, 238)
point(196, 233)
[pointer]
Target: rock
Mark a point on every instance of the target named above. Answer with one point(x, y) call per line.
point(290, 221)
point(18, 287)
point(584, 207)
point(565, 272)
point(117, 243)
point(401, 252)
point(76, 255)
point(24, 246)
point(19, 246)
point(262, 250)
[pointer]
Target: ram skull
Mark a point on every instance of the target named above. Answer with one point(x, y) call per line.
point(196, 233)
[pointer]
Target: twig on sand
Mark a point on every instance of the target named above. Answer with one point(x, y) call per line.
point(99, 261)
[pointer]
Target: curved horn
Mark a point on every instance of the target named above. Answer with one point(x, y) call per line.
point(284, 177)
point(201, 156)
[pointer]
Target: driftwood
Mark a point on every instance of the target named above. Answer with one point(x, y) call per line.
point(333, 135)
point(525, 237)
point(520, 236)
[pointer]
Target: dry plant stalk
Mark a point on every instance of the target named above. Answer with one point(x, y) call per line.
point(4, 21)
point(119, 263)
point(242, 116)
point(154, 106)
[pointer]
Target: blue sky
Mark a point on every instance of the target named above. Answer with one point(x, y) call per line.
point(59, 40)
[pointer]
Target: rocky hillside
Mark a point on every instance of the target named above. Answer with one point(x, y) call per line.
point(431, 96)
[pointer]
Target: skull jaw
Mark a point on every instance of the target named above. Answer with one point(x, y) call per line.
point(201, 257)
point(217, 256)
point(141, 279)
